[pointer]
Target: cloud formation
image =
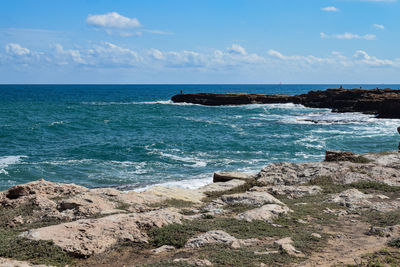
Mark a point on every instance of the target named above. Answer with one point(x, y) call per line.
point(330, 9)
point(111, 56)
point(348, 36)
point(379, 26)
point(112, 20)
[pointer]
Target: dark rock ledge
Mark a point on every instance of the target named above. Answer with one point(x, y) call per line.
point(385, 103)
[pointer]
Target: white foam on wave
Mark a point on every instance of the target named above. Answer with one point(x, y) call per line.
point(9, 160)
point(193, 183)
point(56, 123)
point(196, 162)
point(162, 102)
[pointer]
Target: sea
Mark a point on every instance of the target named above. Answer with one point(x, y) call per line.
point(133, 137)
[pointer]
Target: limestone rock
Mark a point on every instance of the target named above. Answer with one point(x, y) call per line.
point(194, 262)
point(251, 198)
point(352, 198)
point(4, 262)
point(265, 213)
point(290, 191)
point(211, 237)
point(163, 249)
point(220, 187)
point(21, 194)
point(92, 236)
point(286, 244)
point(88, 204)
point(174, 193)
point(227, 176)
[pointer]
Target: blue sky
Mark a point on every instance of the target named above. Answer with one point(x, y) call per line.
point(199, 41)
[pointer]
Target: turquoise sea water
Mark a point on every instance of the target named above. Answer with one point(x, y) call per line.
point(132, 136)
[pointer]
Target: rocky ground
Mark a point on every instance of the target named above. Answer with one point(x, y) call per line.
point(344, 211)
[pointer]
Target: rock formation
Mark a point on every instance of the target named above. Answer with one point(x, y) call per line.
point(385, 103)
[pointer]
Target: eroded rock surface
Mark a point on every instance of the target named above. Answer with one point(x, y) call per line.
point(92, 236)
point(289, 191)
point(252, 198)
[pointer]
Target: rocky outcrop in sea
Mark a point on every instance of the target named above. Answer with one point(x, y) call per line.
point(385, 103)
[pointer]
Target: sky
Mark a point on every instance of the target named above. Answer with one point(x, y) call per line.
point(199, 41)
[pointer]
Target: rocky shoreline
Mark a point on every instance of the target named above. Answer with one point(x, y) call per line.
point(344, 210)
point(385, 103)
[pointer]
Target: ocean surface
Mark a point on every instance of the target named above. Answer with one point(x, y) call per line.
point(133, 137)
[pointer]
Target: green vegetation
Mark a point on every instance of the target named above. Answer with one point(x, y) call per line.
point(360, 159)
point(382, 219)
point(385, 257)
point(395, 242)
point(329, 186)
point(19, 248)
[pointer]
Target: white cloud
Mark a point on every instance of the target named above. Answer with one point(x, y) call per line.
point(112, 20)
point(363, 57)
point(330, 9)
point(63, 55)
point(348, 36)
point(16, 50)
point(379, 26)
point(111, 56)
point(237, 49)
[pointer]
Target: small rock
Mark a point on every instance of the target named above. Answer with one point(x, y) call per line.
point(194, 262)
point(163, 249)
point(316, 235)
point(286, 244)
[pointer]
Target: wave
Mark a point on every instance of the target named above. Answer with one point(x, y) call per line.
point(193, 183)
point(159, 102)
point(9, 160)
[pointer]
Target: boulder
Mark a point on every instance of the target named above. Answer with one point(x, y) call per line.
point(212, 237)
point(92, 236)
point(22, 194)
point(253, 198)
point(227, 176)
point(266, 213)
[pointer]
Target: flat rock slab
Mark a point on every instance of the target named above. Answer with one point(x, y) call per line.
point(266, 213)
point(227, 176)
point(251, 198)
point(174, 193)
point(92, 236)
point(222, 186)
